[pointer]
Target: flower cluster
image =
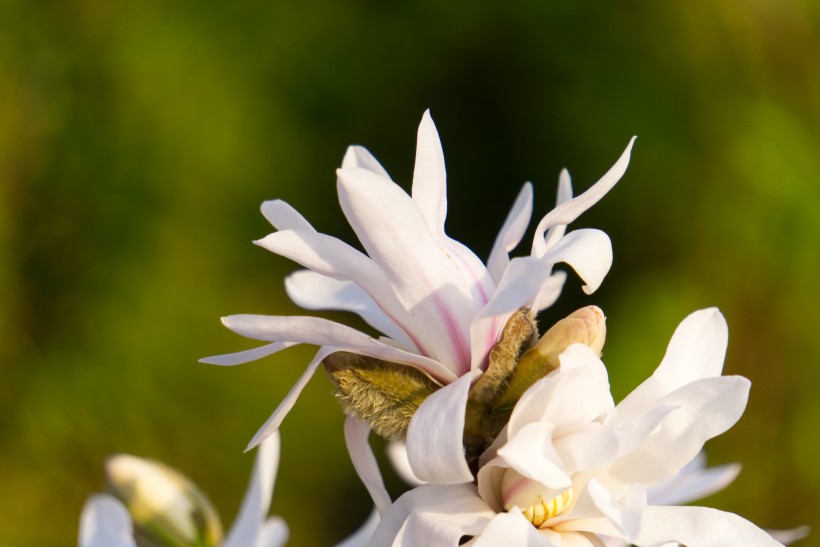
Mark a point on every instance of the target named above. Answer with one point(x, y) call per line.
point(508, 436)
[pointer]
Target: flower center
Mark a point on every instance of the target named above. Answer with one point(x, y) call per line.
point(542, 510)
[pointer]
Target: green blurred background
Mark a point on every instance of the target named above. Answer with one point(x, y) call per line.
point(138, 138)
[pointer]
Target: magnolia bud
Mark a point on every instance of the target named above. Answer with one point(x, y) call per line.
point(585, 326)
point(537, 502)
point(166, 507)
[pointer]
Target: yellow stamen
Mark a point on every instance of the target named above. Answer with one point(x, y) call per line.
point(542, 511)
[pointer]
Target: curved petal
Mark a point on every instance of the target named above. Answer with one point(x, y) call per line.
point(357, 434)
point(626, 518)
point(242, 357)
point(549, 292)
point(511, 233)
point(275, 420)
point(511, 528)
point(105, 522)
point(249, 523)
point(321, 332)
point(397, 454)
point(696, 351)
point(435, 435)
point(522, 281)
point(360, 157)
point(703, 409)
point(699, 526)
point(588, 251)
point(362, 535)
point(564, 193)
point(433, 514)
point(423, 275)
point(314, 291)
point(274, 533)
point(572, 209)
point(332, 257)
point(531, 454)
point(693, 482)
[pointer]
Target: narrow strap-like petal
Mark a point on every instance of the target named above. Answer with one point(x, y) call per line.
point(423, 274)
point(572, 209)
point(332, 257)
point(274, 533)
point(357, 434)
point(435, 446)
point(322, 332)
point(284, 217)
point(248, 525)
point(242, 357)
point(105, 522)
point(430, 175)
point(314, 291)
point(511, 233)
point(275, 420)
point(564, 194)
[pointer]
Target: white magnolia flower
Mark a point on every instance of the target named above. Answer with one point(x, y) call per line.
point(573, 469)
point(159, 494)
point(438, 306)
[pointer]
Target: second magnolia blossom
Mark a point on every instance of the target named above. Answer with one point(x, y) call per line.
point(572, 468)
point(440, 308)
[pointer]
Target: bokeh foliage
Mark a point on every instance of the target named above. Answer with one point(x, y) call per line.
point(137, 140)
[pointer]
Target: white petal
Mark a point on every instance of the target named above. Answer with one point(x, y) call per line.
point(568, 398)
point(572, 209)
point(357, 434)
point(274, 533)
point(701, 526)
point(314, 291)
point(564, 194)
point(790, 536)
point(549, 292)
point(249, 523)
point(362, 535)
point(423, 274)
point(105, 522)
point(397, 454)
point(433, 514)
point(334, 258)
point(275, 420)
point(627, 518)
point(511, 233)
point(511, 528)
point(242, 357)
point(522, 281)
point(321, 332)
point(435, 435)
point(284, 217)
point(530, 453)
point(693, 482)
point(430, 176)
point(705, 408)
point(588, 251)
point(696, 351)
point(359, 156)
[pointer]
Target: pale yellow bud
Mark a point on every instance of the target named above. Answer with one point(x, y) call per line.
point(585, 326)
point(167, 508)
